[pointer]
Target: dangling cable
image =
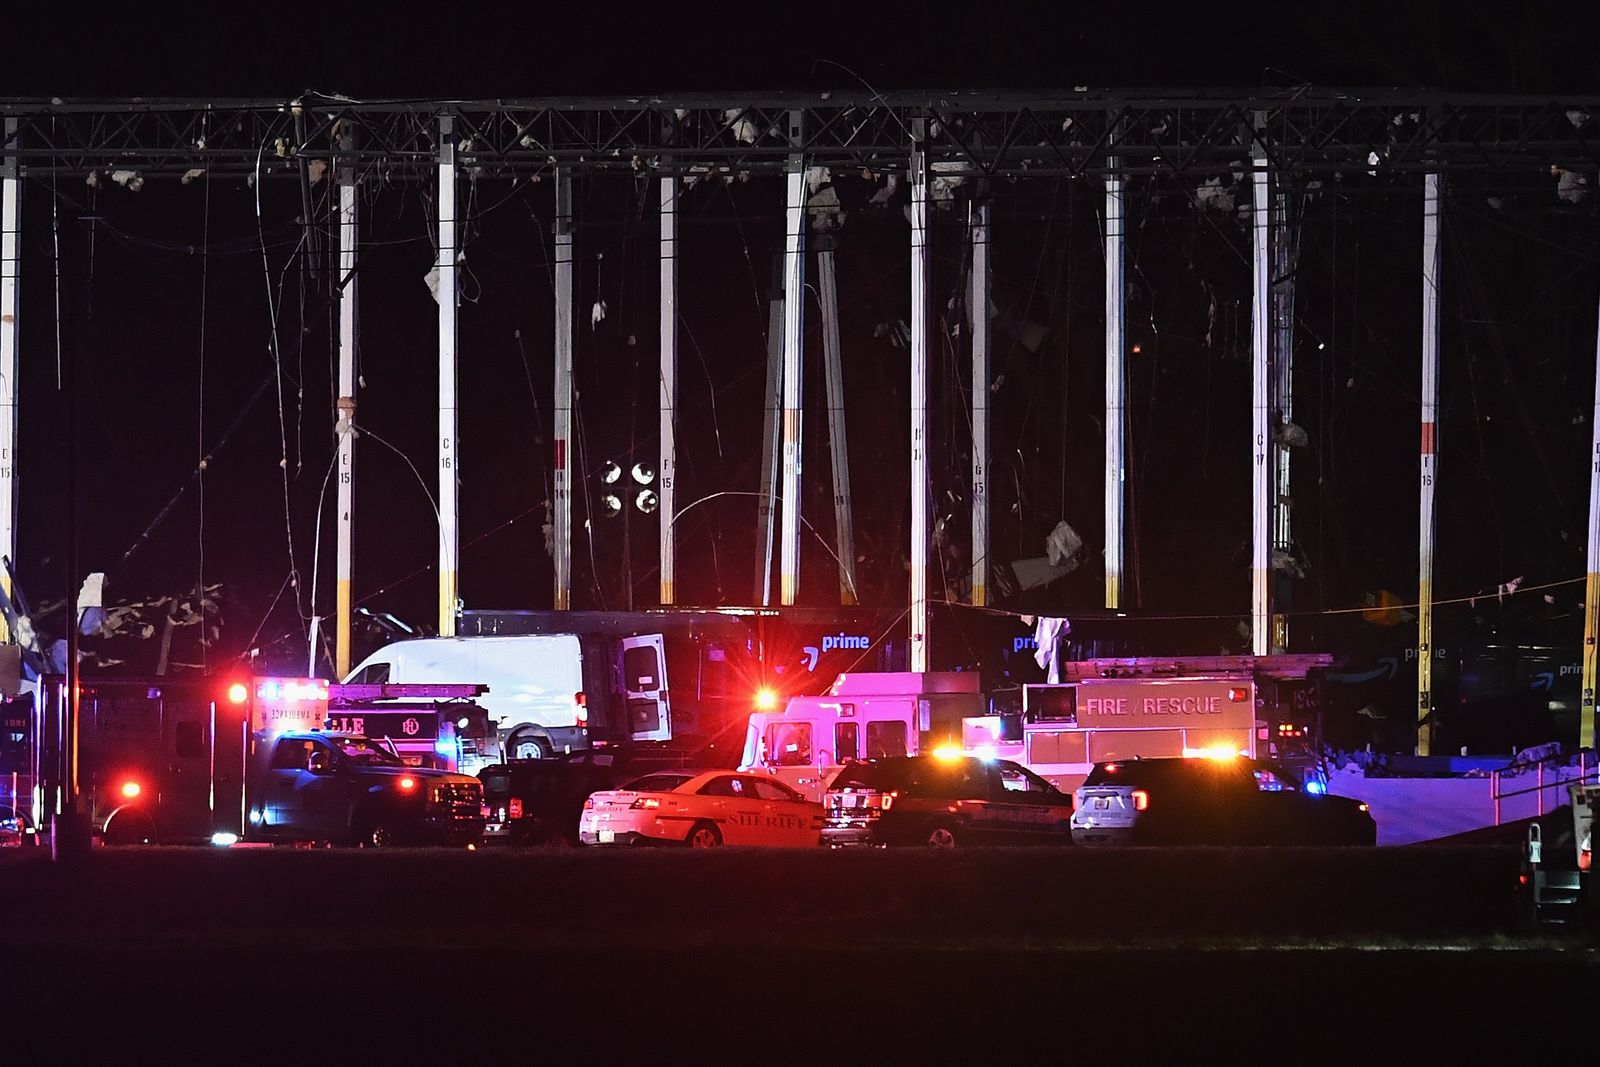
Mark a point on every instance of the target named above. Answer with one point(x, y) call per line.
point(200, 430)
point(277, 363)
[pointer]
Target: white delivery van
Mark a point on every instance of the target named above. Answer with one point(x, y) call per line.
point(535, 697)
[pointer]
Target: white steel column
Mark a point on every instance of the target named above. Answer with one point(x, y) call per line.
point(978, 316)
point(1429, 457)
point(669, 386)
point(794, 302)
point(919, 399)
point(1283, 401)
point(1116, 380)
point(771, 435)
point(1591, 593)
point(838, 441)
point(449, 474)
point(562, 457)
point(345, 408)
point(10, 354)
point(1260, 461)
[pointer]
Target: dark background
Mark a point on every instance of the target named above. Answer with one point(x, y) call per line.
point(165, 308)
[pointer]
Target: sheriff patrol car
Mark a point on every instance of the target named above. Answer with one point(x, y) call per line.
point(701, 809)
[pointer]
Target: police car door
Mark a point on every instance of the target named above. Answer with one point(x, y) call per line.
point(731, 802)
point(644, 687)
point(1028, 807)
point(787, 817)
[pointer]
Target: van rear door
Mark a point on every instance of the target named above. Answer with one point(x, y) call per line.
point(644, 686)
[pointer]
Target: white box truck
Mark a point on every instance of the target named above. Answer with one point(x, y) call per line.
point(535, 700)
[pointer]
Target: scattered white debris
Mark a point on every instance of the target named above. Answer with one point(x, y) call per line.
point(816, 178)
point(1062, 545)
point(680, 113)
point(1577, 118)
point(886, 194)
point(1284, 561)
point(130, 180)
point(526, 140)
point(1505, 589)
point(1570, 186)
point(93, 180)
point(898, 331)
point(744, 128)
point(431, 280)
point(946, 179)
point(1496, 203)
point(191, 174)
point(597, 313)
point(1066, 124)
point(1293, 435)
point(1212, 194)
point(826, 211)
point(633, 340)
point(316, 169)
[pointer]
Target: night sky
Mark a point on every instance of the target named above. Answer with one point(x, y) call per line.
point(158, 389)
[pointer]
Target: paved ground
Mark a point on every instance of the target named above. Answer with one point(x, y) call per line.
point(786, 956)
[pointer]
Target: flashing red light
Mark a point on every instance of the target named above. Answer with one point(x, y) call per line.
point(1141, 800)
point(766, 699)
point(1522, 879)
point(407, 784)
point(131, 789)
point(514, 808)
point(1238, 694)
point(1113, 768)
point(238, 693)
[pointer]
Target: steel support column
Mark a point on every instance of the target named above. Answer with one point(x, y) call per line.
point(920, 652)
point(1260, 446)
point(794, 302)
point(771, 436)
point(978, 316)
point(10, 354)
point(345, 409)
point(449, 466)
point(561, 474)
point(1116, 382)
point(1283, 401)
point(669, 387)
point(1591, 593)
point(1429, 459)
point(838, 440)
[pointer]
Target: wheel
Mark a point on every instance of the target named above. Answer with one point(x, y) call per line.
point(557, 842)
point(703, 835)
point(129, 828)
point(378, 835)
point(528, 746)
point(942, 836)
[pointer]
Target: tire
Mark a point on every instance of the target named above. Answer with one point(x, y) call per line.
point(703, 835)
point(130, 828)
point(942, 835)
point(378, 835)
point(528, 746)
point(557, 842)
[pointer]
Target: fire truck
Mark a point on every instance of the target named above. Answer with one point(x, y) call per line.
point(1264, 707)
point(179, 760)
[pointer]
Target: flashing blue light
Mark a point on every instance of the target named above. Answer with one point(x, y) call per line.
point(1316, 787)
point(445, 746)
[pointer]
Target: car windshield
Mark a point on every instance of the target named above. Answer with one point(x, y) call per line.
point(360, 750)
point(657, 783)
point(1165, 773)
point(905, 773)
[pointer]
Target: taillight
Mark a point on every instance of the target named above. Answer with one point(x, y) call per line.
point(1238, 694)
point(589, 803)
point(645, 803)
point(1583, 859)
point(514, 808)
point(582, 701)
point(130, 789)
point(1141, 800)
point(407, 784)
point(886, 801)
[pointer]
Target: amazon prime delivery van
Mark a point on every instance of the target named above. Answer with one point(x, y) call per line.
point(536, 695)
